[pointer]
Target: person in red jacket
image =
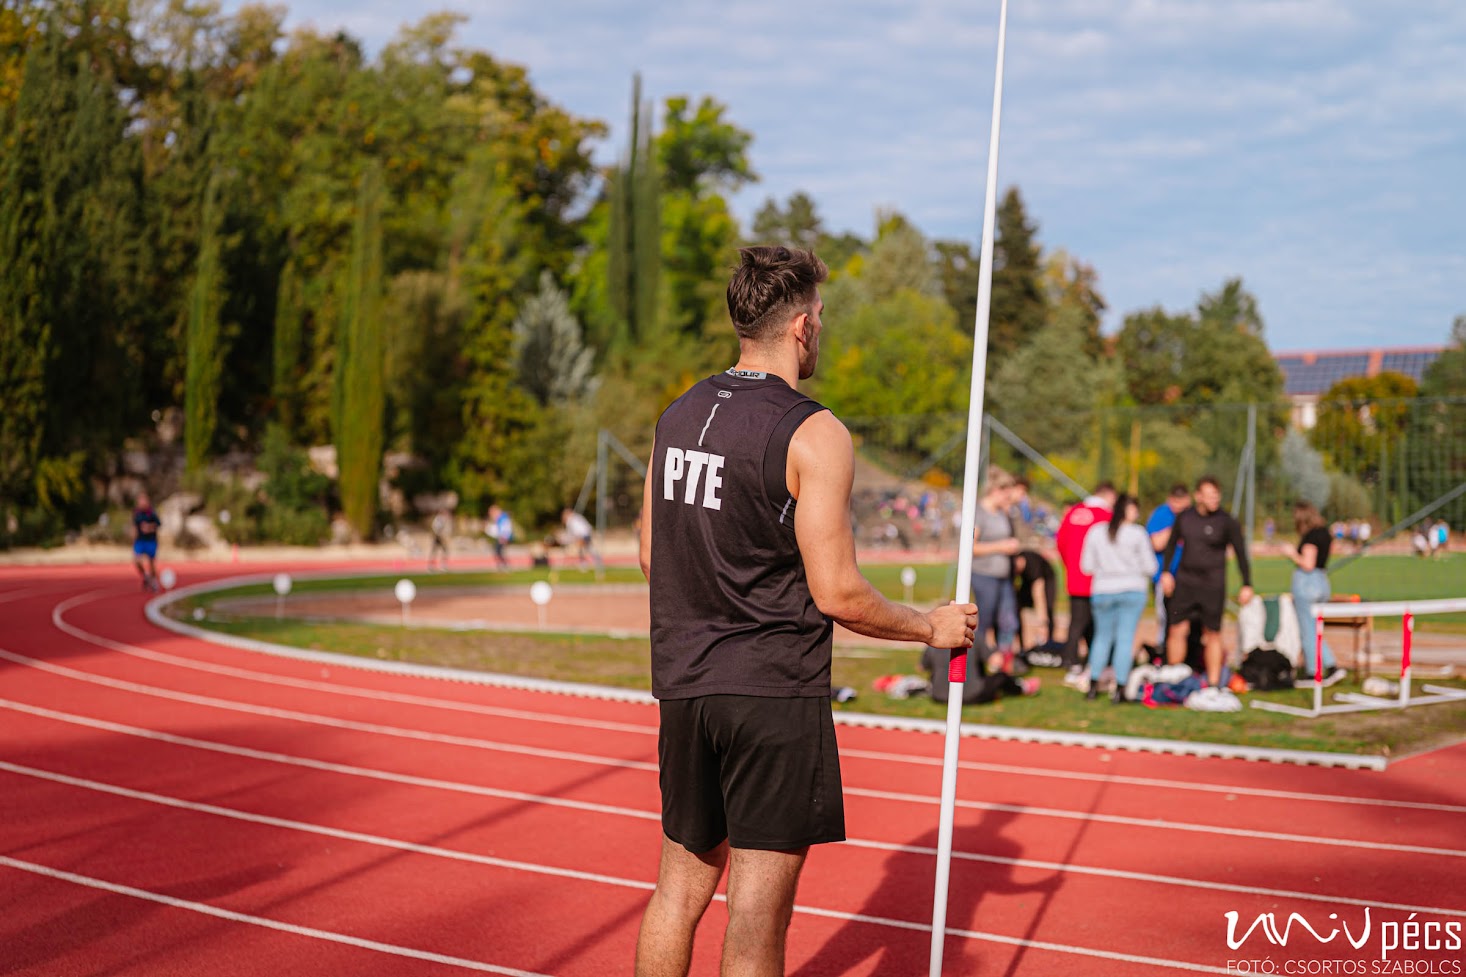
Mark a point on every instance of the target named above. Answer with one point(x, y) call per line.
point(1075, 525)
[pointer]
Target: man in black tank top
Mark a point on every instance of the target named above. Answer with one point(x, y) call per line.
point(746, 523)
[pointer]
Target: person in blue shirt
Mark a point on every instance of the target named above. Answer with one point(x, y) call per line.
point(1159, 525)
point(145, 526)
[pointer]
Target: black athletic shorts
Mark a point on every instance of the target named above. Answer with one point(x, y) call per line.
point(1197, 599)
point(761, 772)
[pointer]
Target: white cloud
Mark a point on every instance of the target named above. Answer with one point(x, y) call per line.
point(1169, 143)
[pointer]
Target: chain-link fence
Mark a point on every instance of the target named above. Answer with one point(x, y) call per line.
point(1377, 462)
point(1374, 463)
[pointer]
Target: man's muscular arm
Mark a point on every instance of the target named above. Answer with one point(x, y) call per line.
point(820, 473)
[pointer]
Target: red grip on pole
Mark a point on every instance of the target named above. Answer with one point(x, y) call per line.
point(1409, 632)
point(957, 667)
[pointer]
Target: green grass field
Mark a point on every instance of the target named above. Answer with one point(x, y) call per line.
point(624, 662)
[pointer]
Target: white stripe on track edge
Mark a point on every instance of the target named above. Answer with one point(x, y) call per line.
point(1129, 781)
point(474, 789)
point(529, 716)
point(501, 863)
point(314, 719)
point(1014, 734)
point(261, 921)
point(306, 827)
point(331, 722)
point(325, 766)
point(315, 685)
point(1048, 812)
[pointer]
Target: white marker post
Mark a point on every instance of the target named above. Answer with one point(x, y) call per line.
point(282, 585)
point(957, 670)
point(908, 580)
point(540, 593)
point(405, 590)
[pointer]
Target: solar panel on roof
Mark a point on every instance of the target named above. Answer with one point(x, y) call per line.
point(1413, 365)
point(1301, 377)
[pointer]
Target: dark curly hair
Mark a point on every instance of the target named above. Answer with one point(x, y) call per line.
point(772, 284)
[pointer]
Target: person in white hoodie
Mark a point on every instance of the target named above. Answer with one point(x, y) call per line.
point(1120, 559)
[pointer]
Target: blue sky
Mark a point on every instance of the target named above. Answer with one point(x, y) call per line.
point(1316, 148)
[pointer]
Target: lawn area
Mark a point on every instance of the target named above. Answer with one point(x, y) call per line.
point(623, 662)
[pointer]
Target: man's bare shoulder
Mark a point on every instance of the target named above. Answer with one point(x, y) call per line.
point(822, 432)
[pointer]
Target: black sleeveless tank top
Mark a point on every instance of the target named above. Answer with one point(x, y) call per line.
point(731, 609)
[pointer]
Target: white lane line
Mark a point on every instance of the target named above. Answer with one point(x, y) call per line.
point(317, 720)
point(324, 766)
point(329, 687)
point(650, 815)
point(1100, 778)
point(11, 595)
point(1113, 873)
point(333, 688)
point(261, 921)
point(534, 868)
point(1047, 812)
point(317, 829)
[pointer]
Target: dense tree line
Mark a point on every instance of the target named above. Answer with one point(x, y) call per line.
point(414, 257)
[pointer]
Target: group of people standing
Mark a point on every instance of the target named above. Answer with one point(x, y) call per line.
point(1114, 565)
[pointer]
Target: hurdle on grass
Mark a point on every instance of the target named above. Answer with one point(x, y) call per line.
point(957, 667)
point(1358, 702)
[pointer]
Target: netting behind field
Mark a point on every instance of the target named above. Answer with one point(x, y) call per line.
point(1364, 463)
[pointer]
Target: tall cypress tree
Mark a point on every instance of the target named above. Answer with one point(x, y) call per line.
point(288, 334)
point(204, 354)
point(634, 257)
point(359, 362)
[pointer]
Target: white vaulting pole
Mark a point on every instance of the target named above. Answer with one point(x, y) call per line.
point(957, 671)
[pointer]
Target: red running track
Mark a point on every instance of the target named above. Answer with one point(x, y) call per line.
point(171, 806)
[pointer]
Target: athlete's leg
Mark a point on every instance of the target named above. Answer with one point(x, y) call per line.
point(1211, 644)
point(685, 885)
point(761, 887)
point(1178, 633)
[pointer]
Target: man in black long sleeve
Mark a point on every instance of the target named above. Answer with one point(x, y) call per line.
point(1199, 586)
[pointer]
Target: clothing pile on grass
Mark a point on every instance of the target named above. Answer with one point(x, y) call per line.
point(1158, 687)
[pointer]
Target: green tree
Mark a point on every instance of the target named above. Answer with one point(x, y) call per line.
point(635, 233)
point(797, 224)
point(960, 272)
point(702, 157)
point(204, 355)
point(1152, 346)
point(1446, 375)
point(555, 366)
point(359, 364)
point(425, 368)
point(71, 257)
point(899, 359)
point(700, 152)
point(1071, 284)
point(1019, 307)
point(1055, 417)
point(495, 274)
point(1304, 471)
